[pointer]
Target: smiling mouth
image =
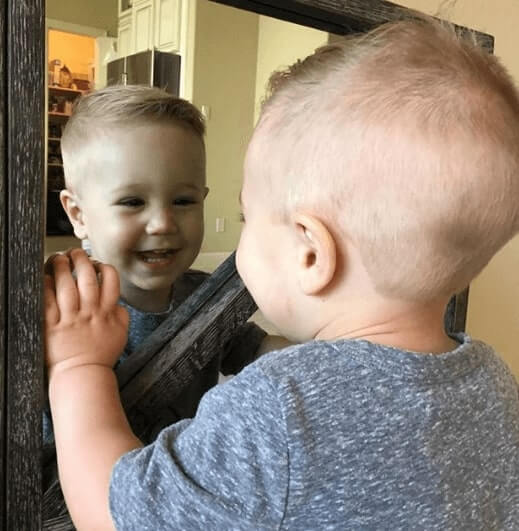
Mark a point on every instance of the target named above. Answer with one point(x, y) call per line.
point(156, 256)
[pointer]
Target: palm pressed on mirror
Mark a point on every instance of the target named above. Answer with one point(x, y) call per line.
point(222, 303)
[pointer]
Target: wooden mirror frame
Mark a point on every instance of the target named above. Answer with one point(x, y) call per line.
point(22, 220)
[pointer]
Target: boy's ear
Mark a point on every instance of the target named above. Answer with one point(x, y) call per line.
point(316, 254)
point(75, 214)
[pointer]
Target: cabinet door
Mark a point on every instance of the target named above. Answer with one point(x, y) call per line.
point(167, 25)
point(143, 25)
point(124, 45)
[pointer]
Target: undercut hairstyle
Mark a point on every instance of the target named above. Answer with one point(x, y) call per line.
point(122, 106)
point(405, 141)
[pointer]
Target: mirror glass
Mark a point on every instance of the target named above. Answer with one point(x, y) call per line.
point(226, 57)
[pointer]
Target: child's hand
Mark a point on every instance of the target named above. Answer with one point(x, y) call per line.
point(84, 325)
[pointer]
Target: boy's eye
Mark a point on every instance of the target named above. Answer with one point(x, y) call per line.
point(241, 217)
point(131, 202)
point(184, 201)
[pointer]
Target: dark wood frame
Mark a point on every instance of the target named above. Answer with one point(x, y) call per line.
point(21, 251)
point(22, 66)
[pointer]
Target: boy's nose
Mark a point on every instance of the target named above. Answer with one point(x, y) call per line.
point(162, 221)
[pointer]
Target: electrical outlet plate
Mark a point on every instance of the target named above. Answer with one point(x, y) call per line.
point(220, 224)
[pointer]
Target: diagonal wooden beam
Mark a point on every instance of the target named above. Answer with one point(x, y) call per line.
point(181, 317)
point(223, 305)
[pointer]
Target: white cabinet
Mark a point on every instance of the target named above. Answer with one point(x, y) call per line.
point(142, 13)
point(125, 36)
point(167, 25)
point(147, 24)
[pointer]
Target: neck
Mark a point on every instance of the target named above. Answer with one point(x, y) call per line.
point(406, 326)
point(145, 300)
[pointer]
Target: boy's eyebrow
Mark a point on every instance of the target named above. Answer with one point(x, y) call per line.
point(239, 198)
point(139, 185)
point(191, 185)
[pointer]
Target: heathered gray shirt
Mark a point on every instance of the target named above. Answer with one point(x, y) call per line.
point(342, 435)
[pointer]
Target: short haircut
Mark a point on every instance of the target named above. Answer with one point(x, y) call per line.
point(122, 106)
point(405, 141)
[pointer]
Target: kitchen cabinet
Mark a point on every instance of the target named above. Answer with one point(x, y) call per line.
point(148, 24)
point(142, 20)
point(125, 35)
point(167, 25)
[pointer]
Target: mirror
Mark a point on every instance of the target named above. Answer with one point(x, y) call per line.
point(226, 57)
point(20, 503)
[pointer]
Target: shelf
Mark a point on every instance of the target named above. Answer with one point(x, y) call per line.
point(58, 116)
point(57, 223)
point(65, 91)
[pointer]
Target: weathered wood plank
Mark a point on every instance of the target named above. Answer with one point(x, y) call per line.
point(24, 101)
point(336, 16)
point(175, 366)
point(167, 330)
point(3, 279)
point(59, 523)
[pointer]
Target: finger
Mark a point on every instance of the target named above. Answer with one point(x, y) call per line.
point(109, 285)
point(86, 278)
point(122, 315)
point(48, 267)
point(67, 295)
point(51, 305)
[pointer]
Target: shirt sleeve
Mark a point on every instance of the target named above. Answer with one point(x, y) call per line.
point(225, 469)
point(242, 348)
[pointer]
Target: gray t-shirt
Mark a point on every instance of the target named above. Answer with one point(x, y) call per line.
point(337, 435)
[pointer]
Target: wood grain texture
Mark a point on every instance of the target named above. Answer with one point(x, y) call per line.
point(24, 244)
point(59, 523)
point(337, 16)
point(3, 233)
point(163, 334)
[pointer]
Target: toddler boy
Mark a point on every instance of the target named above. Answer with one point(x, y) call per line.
point(382, 177)
point(134, 160)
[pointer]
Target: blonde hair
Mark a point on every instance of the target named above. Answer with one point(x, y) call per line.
point(123, 106)
point(405, 141)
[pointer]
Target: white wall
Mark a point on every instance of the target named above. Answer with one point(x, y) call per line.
point(226, 41)
point(281, 44)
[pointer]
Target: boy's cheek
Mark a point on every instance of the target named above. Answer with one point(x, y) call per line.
point(241, 265)
point(194, 227)
point(238, 257)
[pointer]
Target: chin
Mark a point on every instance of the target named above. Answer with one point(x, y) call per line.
point(158, 285)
